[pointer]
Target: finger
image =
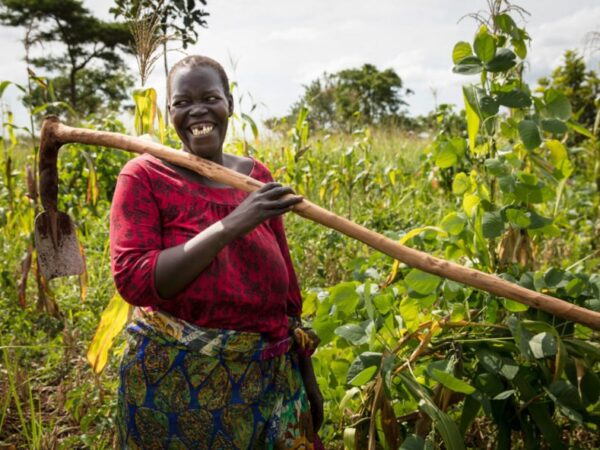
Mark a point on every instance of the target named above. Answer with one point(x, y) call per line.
point(278, 212)
point(268, 186)
point(284, 203)
point(278, 192)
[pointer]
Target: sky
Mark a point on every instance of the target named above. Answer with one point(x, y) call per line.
point(271, 48)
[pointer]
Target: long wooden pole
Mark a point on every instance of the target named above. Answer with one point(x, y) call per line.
point(54, 131)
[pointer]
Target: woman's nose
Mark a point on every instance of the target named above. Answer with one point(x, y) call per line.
point(198, 108)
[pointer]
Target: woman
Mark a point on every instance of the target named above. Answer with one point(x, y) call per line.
point(210, 362)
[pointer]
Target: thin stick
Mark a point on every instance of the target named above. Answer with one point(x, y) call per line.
point(58, 133)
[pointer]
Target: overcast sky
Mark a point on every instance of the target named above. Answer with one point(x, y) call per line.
point(273, 47)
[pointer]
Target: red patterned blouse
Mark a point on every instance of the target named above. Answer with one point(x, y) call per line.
point(249, 286)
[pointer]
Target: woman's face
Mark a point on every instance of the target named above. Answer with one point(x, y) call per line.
point(200, 110)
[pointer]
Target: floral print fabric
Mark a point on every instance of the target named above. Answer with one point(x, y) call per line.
point(186, 387)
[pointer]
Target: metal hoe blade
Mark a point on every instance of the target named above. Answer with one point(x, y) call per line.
point(58, 252)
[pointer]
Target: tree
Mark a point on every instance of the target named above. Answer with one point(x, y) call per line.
point(581, 86)
point(360, 96)
point(369, 92)
point(179, 20)
point(87, 41)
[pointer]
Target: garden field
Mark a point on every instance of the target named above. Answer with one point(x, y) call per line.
point(509, 186)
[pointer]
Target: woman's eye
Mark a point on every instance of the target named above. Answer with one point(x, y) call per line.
point(180, 103)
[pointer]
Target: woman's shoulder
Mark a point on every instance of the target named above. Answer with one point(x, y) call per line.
point(142, 166)
point(250, 166)
point(261, 172)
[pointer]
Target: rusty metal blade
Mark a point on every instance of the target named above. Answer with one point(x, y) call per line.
point(57, 246)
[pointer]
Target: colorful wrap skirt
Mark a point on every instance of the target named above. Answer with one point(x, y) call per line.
point(186, 387)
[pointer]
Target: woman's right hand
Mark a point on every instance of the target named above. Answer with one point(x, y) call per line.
point(270, 200)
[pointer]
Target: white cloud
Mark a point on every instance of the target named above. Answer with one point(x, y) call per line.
point(313, 70)
point(298, 34)
point(278, 46)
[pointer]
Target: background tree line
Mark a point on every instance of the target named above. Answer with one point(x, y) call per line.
point(89, 72)
point(89, 69)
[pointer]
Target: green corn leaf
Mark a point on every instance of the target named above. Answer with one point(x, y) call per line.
point(112, 321)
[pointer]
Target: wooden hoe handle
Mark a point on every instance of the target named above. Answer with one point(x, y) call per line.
point(54, 134)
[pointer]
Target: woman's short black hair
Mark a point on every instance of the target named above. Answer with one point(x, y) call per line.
point(198, 61)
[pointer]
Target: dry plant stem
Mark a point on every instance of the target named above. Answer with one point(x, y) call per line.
point(421, 347)
point(374, 406)
point(61, 134)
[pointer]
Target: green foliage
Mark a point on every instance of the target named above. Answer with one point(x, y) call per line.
point(579, 86)
point(86, 39)
point(177, 17)
point(352, 98)
point(407, 360)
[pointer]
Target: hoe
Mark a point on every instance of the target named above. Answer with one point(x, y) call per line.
point(59, 252)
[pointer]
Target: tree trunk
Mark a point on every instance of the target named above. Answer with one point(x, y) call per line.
point(73, 88)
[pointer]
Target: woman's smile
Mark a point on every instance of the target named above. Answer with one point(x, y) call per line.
point(201, 129)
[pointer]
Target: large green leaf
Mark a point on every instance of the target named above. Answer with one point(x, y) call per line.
point(355, 334)
point(422, 282)
point(557, 104)
point(473, 115)
point(489, 106)
point(461, 183)
point(496, 364)
point(468, 66)
point(453, 223)
point(518, 218)
point(566, 397)
point(361, 362)
point(344, 297)
point(554, 126)
point(496, 167)
point(484, 45)
point(364, 376)
point(446, 157)
point(451, 382)
point(530, 134)
point(542, 345)
point(460, 51)
point(505, 59)
point(515, 98)
point(520, 47)
point(505, 23)
point(492, 224)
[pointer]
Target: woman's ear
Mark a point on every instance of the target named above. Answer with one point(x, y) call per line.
point(230, 102)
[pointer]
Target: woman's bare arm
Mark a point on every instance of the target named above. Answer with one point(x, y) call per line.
point(178, 266)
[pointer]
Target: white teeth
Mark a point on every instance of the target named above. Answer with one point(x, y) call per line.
point(202, 130)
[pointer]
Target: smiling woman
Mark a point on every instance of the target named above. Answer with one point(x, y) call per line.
point(212, 361)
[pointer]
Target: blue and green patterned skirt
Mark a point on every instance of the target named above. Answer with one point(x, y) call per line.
point(186, 387)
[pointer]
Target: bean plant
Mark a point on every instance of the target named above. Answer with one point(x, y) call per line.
point(413, 361)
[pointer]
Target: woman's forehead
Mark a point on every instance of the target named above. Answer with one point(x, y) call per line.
point(195, 78)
